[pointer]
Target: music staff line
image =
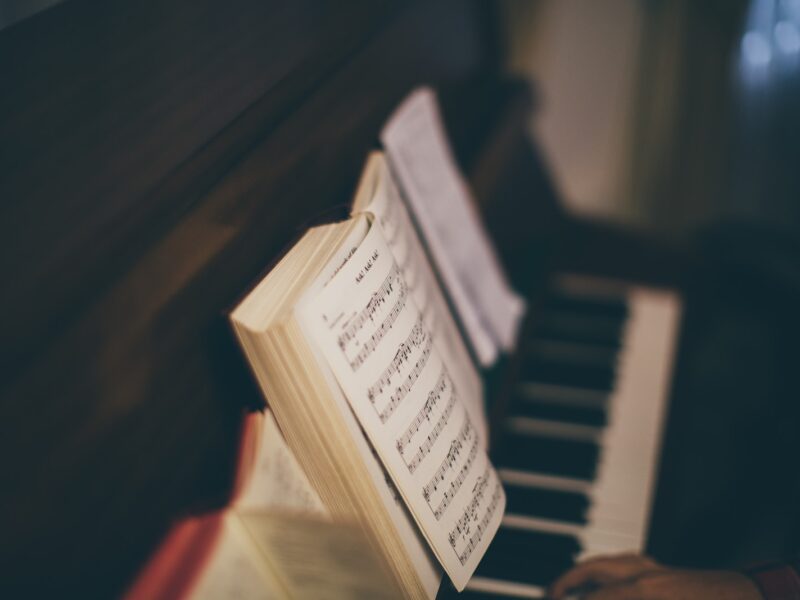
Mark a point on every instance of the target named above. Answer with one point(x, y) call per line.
point(375, 301)
point(456, 446)
point(416, 337)
point(368, 313)
point(402, 391)
point(455, 484)
point(470, 514)
point(425, 415)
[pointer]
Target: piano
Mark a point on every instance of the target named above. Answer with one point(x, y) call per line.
point(578, 441)
point(157, 155)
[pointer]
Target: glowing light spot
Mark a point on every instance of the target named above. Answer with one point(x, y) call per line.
point(756, 49)
point(787, 37)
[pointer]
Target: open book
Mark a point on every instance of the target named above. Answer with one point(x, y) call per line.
point(351, 341)
point(275, 539)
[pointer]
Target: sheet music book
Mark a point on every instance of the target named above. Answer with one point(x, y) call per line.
point(359, 358)
point(443, 208)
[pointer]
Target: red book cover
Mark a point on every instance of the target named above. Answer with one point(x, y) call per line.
point(175, 567)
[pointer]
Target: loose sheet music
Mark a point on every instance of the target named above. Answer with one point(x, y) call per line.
point(367, 325)
point(387, 207)
point(441, 203)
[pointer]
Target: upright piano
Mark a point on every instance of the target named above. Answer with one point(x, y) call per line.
point(156, 156)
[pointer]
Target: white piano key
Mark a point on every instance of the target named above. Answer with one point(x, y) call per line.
point(508, 588)
point(622, 491)
point(562, 393)
point(513, 521)
point(542, 480)
point(556, 429)
point(580, 352)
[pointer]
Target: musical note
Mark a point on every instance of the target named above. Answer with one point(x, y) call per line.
point(415, 338)
point(450, 459)
point(455, 484)
point(463, 526)
point(423, 415)
point(376, 300)
point(368, 313)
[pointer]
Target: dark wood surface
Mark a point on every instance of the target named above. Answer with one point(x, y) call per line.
point(155, 157)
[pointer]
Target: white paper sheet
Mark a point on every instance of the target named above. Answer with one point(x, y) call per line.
point(387, 206)
point(439, 198)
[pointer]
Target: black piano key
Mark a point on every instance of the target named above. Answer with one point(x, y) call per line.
point(530, 557)
point(570, 507)
point(531, 569)
point(569, 327)
point(565, 413)
point(540, 454)
point(571, 352)
point(600, 306)
point(539, 369)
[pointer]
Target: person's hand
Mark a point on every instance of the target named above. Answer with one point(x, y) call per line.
point(634, 577)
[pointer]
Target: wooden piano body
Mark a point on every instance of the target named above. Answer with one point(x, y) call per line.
point(156, 157)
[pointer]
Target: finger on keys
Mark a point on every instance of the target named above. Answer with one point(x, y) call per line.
point(602, 571)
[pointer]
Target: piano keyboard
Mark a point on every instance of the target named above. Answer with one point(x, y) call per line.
point(579, 454)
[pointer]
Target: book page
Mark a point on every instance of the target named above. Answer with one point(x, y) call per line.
point(319, 559)
point(276, 480)
point(439, 199)
point(367, 326)
point(236, 569)
point(387, 206)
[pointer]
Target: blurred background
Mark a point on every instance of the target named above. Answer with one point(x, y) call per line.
point(666, 115)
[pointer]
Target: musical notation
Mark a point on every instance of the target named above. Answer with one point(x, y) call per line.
point(455, 484)
point(368, 313)
point(416, 337)
point(423, 415)
point(450, 459)
point(463, 526)
point(378, 298)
